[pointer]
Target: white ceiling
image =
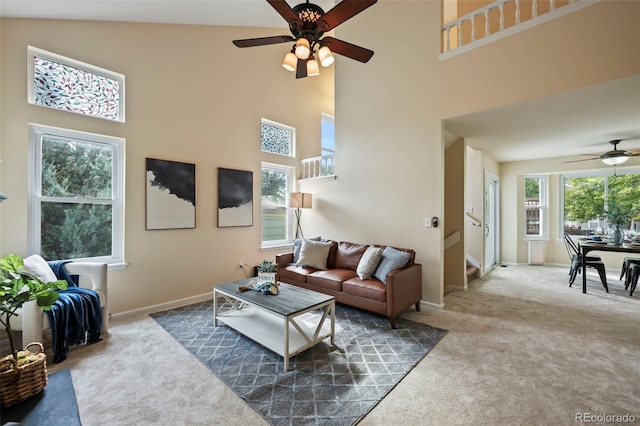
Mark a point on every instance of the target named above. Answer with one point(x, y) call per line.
point(572, 123)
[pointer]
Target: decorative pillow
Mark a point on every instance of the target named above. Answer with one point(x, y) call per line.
point(391, 259)
point(297, 244)
point(314, 254)
point(369, 262)
point(39, 267)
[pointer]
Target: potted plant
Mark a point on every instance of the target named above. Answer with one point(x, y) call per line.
point(22, 373)
point(267, 271)
point(617, 216)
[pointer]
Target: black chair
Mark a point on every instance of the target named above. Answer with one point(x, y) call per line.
point(626, 266)
point(632, 277)
point(590, 262)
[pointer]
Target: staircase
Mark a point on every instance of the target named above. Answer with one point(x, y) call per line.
point(472, 273)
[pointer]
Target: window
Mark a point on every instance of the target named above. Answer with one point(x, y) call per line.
point(535, 206)
point(63, 83)
point(277, 223)
point(327, 163)
point(586, 198)
point(277, 138)
point(76, 195)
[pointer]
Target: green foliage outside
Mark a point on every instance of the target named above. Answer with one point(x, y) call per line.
point(584, 199)
point(78, 171)
point(274, 185)
point(531, 188)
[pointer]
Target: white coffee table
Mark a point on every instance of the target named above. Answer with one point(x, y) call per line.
point(275, 321)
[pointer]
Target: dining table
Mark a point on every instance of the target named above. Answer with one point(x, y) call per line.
point(589, 245)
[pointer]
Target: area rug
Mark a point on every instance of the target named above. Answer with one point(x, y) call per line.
point(324, 385)
point(55, 405)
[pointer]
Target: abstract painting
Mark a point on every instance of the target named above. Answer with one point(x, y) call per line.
point(171, 194)
point(235, 198)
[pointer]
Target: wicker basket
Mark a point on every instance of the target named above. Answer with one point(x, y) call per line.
point(18, 383)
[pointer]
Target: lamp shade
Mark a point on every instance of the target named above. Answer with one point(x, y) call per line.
point(300, 200)
point(325, 56)
point(312, 68)
point(290, 62)
point(614, 161)
point(303, 49)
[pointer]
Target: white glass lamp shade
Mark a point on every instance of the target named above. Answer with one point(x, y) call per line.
point(312, 68)
point(290, 62)
point(303, 50)
point(614, 161)
point(325, 56)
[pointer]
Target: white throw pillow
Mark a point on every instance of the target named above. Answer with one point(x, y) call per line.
point(369, 262)
point(39, 267)
point(314, 254)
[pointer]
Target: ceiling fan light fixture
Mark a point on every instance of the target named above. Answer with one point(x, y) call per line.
point(615, 161)
point(325, 56)
point(290, 62)
point(303, 49)
point(312, 68)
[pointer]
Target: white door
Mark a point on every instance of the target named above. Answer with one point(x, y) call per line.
point(491, 221)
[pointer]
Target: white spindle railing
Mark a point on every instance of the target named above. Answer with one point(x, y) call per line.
point(318, 166)
point(499, 6)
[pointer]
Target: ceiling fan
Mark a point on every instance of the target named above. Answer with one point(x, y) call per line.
point(308, 22)
point(614, 157)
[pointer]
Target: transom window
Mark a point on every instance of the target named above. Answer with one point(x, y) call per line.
point(66, 84)
point(76, 195)
point(277, 138)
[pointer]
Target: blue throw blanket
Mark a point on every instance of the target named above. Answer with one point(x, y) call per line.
point(75, 317)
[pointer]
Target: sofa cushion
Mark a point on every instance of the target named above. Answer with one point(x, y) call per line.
point(369, 262)
point(331, 278)
point(296, 273)
point(391, 259)
point(348, 255)
point(314, 254)
point(367, 289)
point(297, 245)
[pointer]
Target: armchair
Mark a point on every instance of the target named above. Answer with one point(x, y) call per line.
point(32, 320)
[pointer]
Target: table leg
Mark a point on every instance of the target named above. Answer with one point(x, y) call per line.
point(215, 309)
point(286, 343)
point(583, 260)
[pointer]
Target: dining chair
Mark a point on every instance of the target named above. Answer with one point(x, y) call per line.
point(591, 261)
point(632, 278)
point(626, 265)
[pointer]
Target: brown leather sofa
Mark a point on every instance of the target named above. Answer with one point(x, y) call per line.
point(403, 287)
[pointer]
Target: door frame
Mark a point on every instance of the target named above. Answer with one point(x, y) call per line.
point(494, 217)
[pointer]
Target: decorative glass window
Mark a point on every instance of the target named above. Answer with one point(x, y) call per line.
point(277, 222)
point(535, 206)
point(277, 138)
point(76, 195)
point(69, 85)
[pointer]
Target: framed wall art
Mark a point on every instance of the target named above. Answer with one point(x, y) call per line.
point(235, 198)
point(171, 194)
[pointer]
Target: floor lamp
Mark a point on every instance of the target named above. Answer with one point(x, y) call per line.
point(298, 201)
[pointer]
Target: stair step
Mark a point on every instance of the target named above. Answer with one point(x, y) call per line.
point(472, 273)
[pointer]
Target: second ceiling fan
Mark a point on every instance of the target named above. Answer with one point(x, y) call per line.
point(613, 157)
point(308, 23)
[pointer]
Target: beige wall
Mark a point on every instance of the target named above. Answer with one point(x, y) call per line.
point(389, 112)
point(190, 96)
point(474, 199)
point(454, 202)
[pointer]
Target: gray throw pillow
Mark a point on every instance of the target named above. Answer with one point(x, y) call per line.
point(391, 259)
point(297, 244)
point(369, 262)
point(314, 254)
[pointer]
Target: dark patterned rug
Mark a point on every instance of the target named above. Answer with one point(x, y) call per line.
point(325, 385)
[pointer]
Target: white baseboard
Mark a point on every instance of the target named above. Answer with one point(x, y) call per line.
point(455, 288)
point(430, 305)
point(166, 306)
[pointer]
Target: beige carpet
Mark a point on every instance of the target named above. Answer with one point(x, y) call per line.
point(523, 349)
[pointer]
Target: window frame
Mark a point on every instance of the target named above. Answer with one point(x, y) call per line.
point(542, 206)
point(35, 197)
point(289, 222)
point(34, 51)
point(291, 130)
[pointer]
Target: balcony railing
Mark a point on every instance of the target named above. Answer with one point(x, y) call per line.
point(317, 167)
point(500, 19)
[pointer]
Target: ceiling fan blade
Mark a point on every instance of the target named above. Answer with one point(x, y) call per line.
point(263, 41)
point(347, 49)
point(586, 159)
point(341, 12)
point(301, 68)
point(286, 12)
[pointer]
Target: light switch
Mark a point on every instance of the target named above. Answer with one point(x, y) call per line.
point(427, 222)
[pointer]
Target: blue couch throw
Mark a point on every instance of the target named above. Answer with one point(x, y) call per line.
point(75, 317)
